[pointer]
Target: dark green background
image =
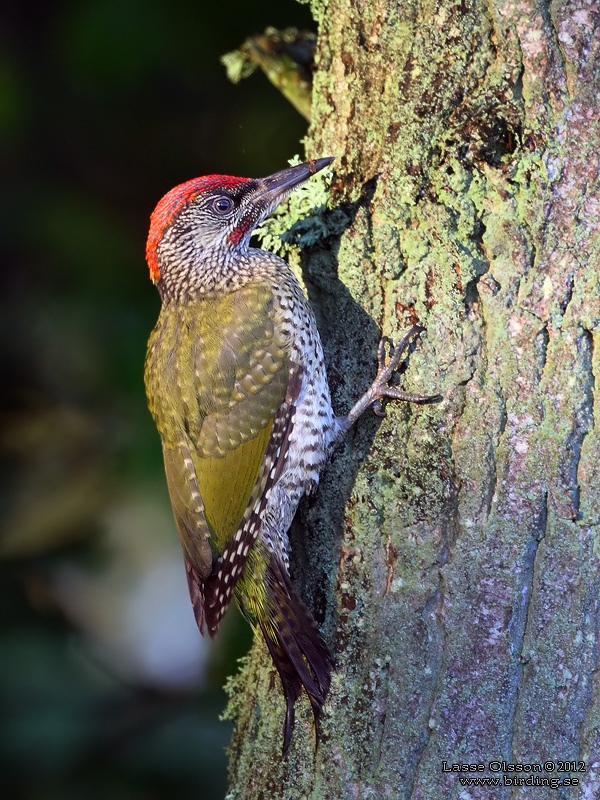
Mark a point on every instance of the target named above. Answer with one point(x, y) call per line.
point(104, 105)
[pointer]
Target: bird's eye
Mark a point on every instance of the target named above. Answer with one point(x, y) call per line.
point(222, 204)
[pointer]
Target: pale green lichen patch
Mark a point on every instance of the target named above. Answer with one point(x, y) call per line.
point(300, 221)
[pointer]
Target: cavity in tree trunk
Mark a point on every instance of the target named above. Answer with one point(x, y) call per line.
point(451, 553)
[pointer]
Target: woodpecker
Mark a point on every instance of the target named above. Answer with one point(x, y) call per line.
point(236, 383)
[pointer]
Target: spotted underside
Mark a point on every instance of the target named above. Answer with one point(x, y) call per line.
point(221, 389)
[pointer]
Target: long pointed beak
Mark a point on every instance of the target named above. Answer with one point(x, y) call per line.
point(275, 187)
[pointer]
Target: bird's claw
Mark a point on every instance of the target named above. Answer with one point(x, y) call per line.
point(386, 368)
point(380, 388)
point(381, 354)
point(378, 408)
point(397, 351)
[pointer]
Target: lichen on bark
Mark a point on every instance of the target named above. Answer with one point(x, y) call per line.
point(451, 553)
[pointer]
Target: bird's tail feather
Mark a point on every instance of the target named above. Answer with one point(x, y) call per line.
point(294, 641)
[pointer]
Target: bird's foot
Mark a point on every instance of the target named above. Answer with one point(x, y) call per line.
point(380, 387)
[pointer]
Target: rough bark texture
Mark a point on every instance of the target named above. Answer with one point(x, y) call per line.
point(452, 550)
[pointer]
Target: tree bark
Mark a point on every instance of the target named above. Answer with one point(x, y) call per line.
point(451, 553)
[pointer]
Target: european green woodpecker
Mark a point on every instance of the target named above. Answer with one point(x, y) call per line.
point(236, 384)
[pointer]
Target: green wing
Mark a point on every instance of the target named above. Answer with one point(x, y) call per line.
point(217, 377)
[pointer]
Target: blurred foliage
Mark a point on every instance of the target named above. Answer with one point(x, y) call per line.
point(286, 57)
point(104, 106)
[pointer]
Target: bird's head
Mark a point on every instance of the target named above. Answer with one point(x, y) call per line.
point(202, 223)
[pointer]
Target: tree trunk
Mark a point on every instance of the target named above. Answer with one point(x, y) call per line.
point(451, 553)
